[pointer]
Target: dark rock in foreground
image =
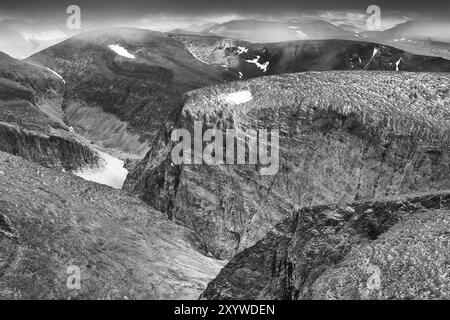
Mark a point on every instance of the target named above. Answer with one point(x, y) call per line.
point(393, 249)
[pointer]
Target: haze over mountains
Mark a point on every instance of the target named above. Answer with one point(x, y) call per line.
point(363, 179)
point(21, 38)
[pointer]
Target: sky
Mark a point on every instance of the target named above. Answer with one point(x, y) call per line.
point(433, 8)
point(165, 15)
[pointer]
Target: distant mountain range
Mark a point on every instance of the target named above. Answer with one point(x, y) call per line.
point(20, 38)
point(416, 36)
point(417, 30)
point(267, 31)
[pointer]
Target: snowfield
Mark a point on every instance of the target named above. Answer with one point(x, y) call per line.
point(264, 66)
point(111, 172)
point(238, 97)
point(121, 51)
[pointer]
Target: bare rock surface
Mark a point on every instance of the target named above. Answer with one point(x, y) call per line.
point(392, 249)
point(344, 137)
point(51, 220)
point(248, 60)
point(31, 118)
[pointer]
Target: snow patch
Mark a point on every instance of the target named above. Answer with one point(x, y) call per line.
point(238, 97)
point(263, 66)
point(375, 51)
point(121, 51)
point(242, 50)
point(397, 64)
point(110, 172)
point(56, 74)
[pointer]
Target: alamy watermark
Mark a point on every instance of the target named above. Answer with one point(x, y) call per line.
point(73, 22)
point(374, 20)
point(231, 147)
point(374, 280)
point(74, 279)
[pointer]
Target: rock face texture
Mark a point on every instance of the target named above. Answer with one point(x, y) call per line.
point(31, 119)
point(344, 137)
point(138, 76)
point(392, 249)
point(249, 60)
point(50, 221)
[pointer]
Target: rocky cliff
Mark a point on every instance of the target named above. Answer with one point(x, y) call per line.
point(53, 224)
point(344, 136)
point(389, 249)
point(31, 119)
point(249, 60)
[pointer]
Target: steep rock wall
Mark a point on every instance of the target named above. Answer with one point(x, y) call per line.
point(343, 137)
point(392, 249)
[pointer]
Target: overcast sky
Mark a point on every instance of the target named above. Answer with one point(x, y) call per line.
point(438, 8)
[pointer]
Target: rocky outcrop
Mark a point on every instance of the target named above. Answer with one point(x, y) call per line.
point(58, 149)
point(212, 49)
point(389, 249)
point(58, 231)
point(344, 136)
point(31, 120)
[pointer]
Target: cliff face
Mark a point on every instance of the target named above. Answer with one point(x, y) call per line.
point(343, 137)
point(391, 249)
point(248, 60)
point(57, 149)
point(31, 119)
point(52, 222)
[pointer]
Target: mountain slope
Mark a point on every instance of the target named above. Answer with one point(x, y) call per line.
point(125, 250)
point(344, 136)
point(138, 76)
point(389, 249)
point(253, 60)
point(31, 119)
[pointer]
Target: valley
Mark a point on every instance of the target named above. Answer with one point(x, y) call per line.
point(87, 178)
